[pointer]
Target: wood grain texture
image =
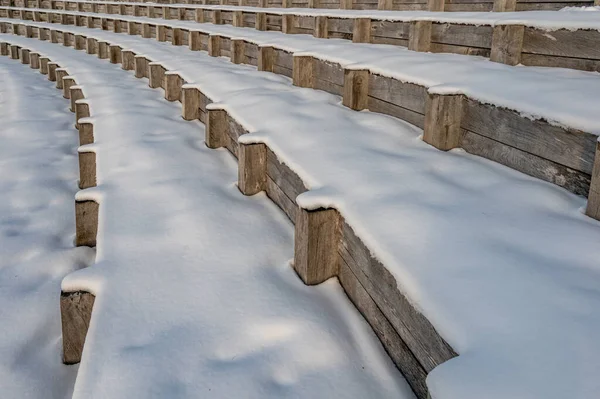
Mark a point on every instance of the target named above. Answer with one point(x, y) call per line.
point(76, 313)
point(443, 115)
point(593, 205)
point(86, 133)
point(87, 169)
point(507, 43)
point(190, 103)
point(419, 36)
point(216, 128)
point(303, 71)
point(361, 32)
point(286, 179)
point(86, 223)
point(172, 85)
point(252, 168)
point(356, 89)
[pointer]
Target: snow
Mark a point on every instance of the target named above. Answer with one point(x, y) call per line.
point(195, 293)
point(38, 177)
point(504, 265)
point(563, 97)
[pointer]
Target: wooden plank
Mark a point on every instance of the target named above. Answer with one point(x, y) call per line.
point(287, 180)
point(407, 115)
point(329, 71)
point(76, 313)
point(405, 95)
point(462, 35)
point(86, 223)
point(389, 29)
point(560, 62)
point(287, 205)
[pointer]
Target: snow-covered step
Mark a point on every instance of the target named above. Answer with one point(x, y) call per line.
point(566, 39)
point(194, 273)
point(444, 228)
point(544, 120)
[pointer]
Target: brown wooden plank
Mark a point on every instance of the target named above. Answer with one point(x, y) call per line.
point(383, 107)
point(405, 95)
point(564, 43)
point(287, 180)
point(287, 205)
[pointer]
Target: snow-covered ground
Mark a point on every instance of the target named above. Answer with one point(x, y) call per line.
point(38, 179)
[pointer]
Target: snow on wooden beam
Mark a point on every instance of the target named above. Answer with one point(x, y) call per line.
point(356, 89)
point(443, 115)
point(87, 168)
point(252, 168)
point(190, 103)
point(303, 71)
point(316, 239)
point(507, 44)
point(86, 223)
point(216, 128)
point(76, 313)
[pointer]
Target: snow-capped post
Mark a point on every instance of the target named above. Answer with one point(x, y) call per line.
point(95, 8)
point(141, 66)
point(195, 41)
point(82, 109)
point(238, 19)
point(443, 114)
point(216, 17)
point(199, 15)
point(356, 89)
point(37, 16)
point(60, 73)
point(44, 61)
point(385, 5)
point(86, 223)
point(287, 23)
point(87, 168)
point(123, 9)
point(161, 33)
point(4, 49)
point(316, 239)
point(157, 75)
point(75, 313)
point(66, 39)
point(64, 19)
point(166, 12)
point(266, 59)
point(80, 7)
point(419, 36)
point(114, 53)
point(146, 32)
point(80, 42)
point(182, 14)
point(151, 12)
point(128, 63)
point(14, 51)
point(321, 27)
point(91, 46)
point(34, 60)
point(190, 103)
point(116, 26)
point(53, 36)
point(361, 31)
point(68, 81)
point(216, 128)
point(507, 43)
point(303, 71)
point(43, 33)
point(24, 56)
point(237, 51)
point(436, 5)
point(28, 31)
point(103, 50)
point(104, 23)
point(214, 45)
point(260, 22)
point(136, 11)
point(76, 93)
point(90, 22)
point(176, 37)
point(593, 204)
point(252, 168)
point(131, 28)
point(86, 133)
point(173, 83)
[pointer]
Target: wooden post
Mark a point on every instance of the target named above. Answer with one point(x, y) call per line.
point(385, 5)
point(60, 73)
point(593, 204)
point(172, 84)
point(263, 3)
point(317, 235)
point(123, 9)
point(104, 23)
point(87, 168)
point(44, 61)
point(91, 45)
point(195, 42)
point(86, 223)
point(166, 12)
point(356, 89)
point(24, 56)
point(252, 168)
point(266, 59)
point(216, 17)
point(28, 31)
point(75, 313)
point(190, 103)
point(90, 22)
point(34, 61)
point(146, 32)
point(43, 33)
point(216, 128)
point(86, 133)
point(436, 5)
point(136, 11)
point(14, 52)
point(237, 51)
point(214, 45)
point(141, 67)
point(199, 15)
point(182, 12)
point(37, 16)
point(82, 109)
point(80, 42)
point(419, 36)
point(76, 94)
point(161, 33)
point(303, 71)
point(238, 18)
point(131, 28)
point(157, 75)
point(66, 39)
point(151, 12)
point(346, 4)
point(287, 23)
point(116, 26)
point(176, 37)
point(68, 81)
point(114, 53)
point(4, 49)
point(361, 32)
point(103, 50)
point(64, 19)
point(128, 60)
point(443, 114)
point(260, 22)
point(507, 43)
point(321, 27)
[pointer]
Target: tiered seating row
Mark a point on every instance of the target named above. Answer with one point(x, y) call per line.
point(535, 147)
point(510, 40)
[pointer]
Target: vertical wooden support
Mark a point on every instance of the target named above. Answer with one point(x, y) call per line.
point(443, 114)
point(166, 12)
point(60, 73)
point(195, 41)
point(252, 168)
point(43, 34)
point(146, 32)
point(66, 39)
point(436, 5)
point(303, 71)
point(238, 19)
point(507, 43)
point(260, 22)
point(34, 61)
point(361, 32)
point(64, 19)
point(419, 36)
point(172, 84)
point(182, 12)
point(199, 15)
point(103, 50)
point(216, 17)
point(44, 61)
point(176, 37)
point(95, 8)
point(131, 28)
point(116, 26)
point(37, 16)
point(91, 45)
point(266, 59)
point(287, 23)
point(24, 56)
point(356, 89)
point(151, 12)
point(78, 20)
point(90, 22)
point(216, 128)
point(128, 62)
point(86, 133)
point(317, 236)
point(286, 3)
point(4, 49)
point(157, 74)
point(141, 67)
point(86, 223)
point(114, 53)
point(82, 110)
point(14, 52)
point(136, 11)
point(161, 33)
point(346, 4)
point(76, 94)
point(68, 81)
point(237, 51)
point(87, 168)
point(75, 313)
point(80, 42)
point(190, 103)
point(214, 45)
point(321, 27)
point(385, 5)
point(28, 31)
point(593, 204)
point(123, 9)
point(104, 23)
point(263, 3)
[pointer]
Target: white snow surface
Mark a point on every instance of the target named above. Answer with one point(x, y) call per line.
point(564, 97)
point(504, 265)
point(38, 178)
point(195, 293)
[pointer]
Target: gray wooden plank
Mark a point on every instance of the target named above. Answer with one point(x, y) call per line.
point(405, 95)
point(563, 42)
point(287, 205)
point(284, 177)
